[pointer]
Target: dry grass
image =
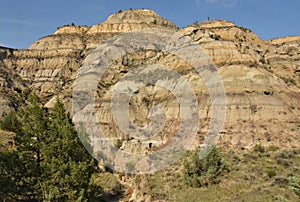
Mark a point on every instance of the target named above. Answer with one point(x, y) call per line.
point(260, 175)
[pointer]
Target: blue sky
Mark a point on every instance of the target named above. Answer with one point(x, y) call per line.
point(25, 21)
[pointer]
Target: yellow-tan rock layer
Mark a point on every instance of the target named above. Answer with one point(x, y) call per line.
point(261, 78)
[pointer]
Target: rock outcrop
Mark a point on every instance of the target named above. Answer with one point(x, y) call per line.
point(12, 86)
point(261, 78)
point(84, 37)
point(51, 63)
point(132, 20)
point(284, 40)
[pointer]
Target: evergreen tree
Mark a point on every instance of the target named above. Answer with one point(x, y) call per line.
point(11, 123)
point(21, 167)
point(11, 169)
point(49, 163)
point(68, 166)
point(29, 143)
point(12, 186)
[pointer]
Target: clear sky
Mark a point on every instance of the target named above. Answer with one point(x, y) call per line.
point(25, 21)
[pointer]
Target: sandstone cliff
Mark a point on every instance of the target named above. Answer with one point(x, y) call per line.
point(261, 78)
point(83, 37)
point(11, 84)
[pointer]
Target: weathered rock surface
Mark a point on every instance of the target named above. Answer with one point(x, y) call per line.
point(11, 85)
point(282, 40)
point(261, 78)
point(84, 37)
point(132, 20)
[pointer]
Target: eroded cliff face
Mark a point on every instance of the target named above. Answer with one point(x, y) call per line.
point(261, 81)
point(11, 84)
point(84, 37)
point(51, 63)
point(261, 78)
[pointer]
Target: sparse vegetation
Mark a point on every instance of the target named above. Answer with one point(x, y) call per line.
point(71, 24)
point(273, 148)
point(259, 148)
point(289, 81)
point(271, 173)
point(261, 174)
point(294, 182)
point(204, 172)
point(196, 23)
point(110, 184)
point(119, 143)
point(253, 176)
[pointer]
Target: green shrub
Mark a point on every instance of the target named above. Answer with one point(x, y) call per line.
point(259, 148)
point(204, 172)
point(294, 181)
point(119, 143)
point(286, 154)
point(109, 182)
point(273, 148)
point(271, 173)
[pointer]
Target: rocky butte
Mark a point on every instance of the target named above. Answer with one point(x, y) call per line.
point(261, 78)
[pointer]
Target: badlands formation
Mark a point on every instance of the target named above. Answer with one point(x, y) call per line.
point(261, 79)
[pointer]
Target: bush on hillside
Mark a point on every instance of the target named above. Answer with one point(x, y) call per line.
point(204, 172)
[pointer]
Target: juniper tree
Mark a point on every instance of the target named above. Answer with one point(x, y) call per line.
point(68, 167)
point(49, 163)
